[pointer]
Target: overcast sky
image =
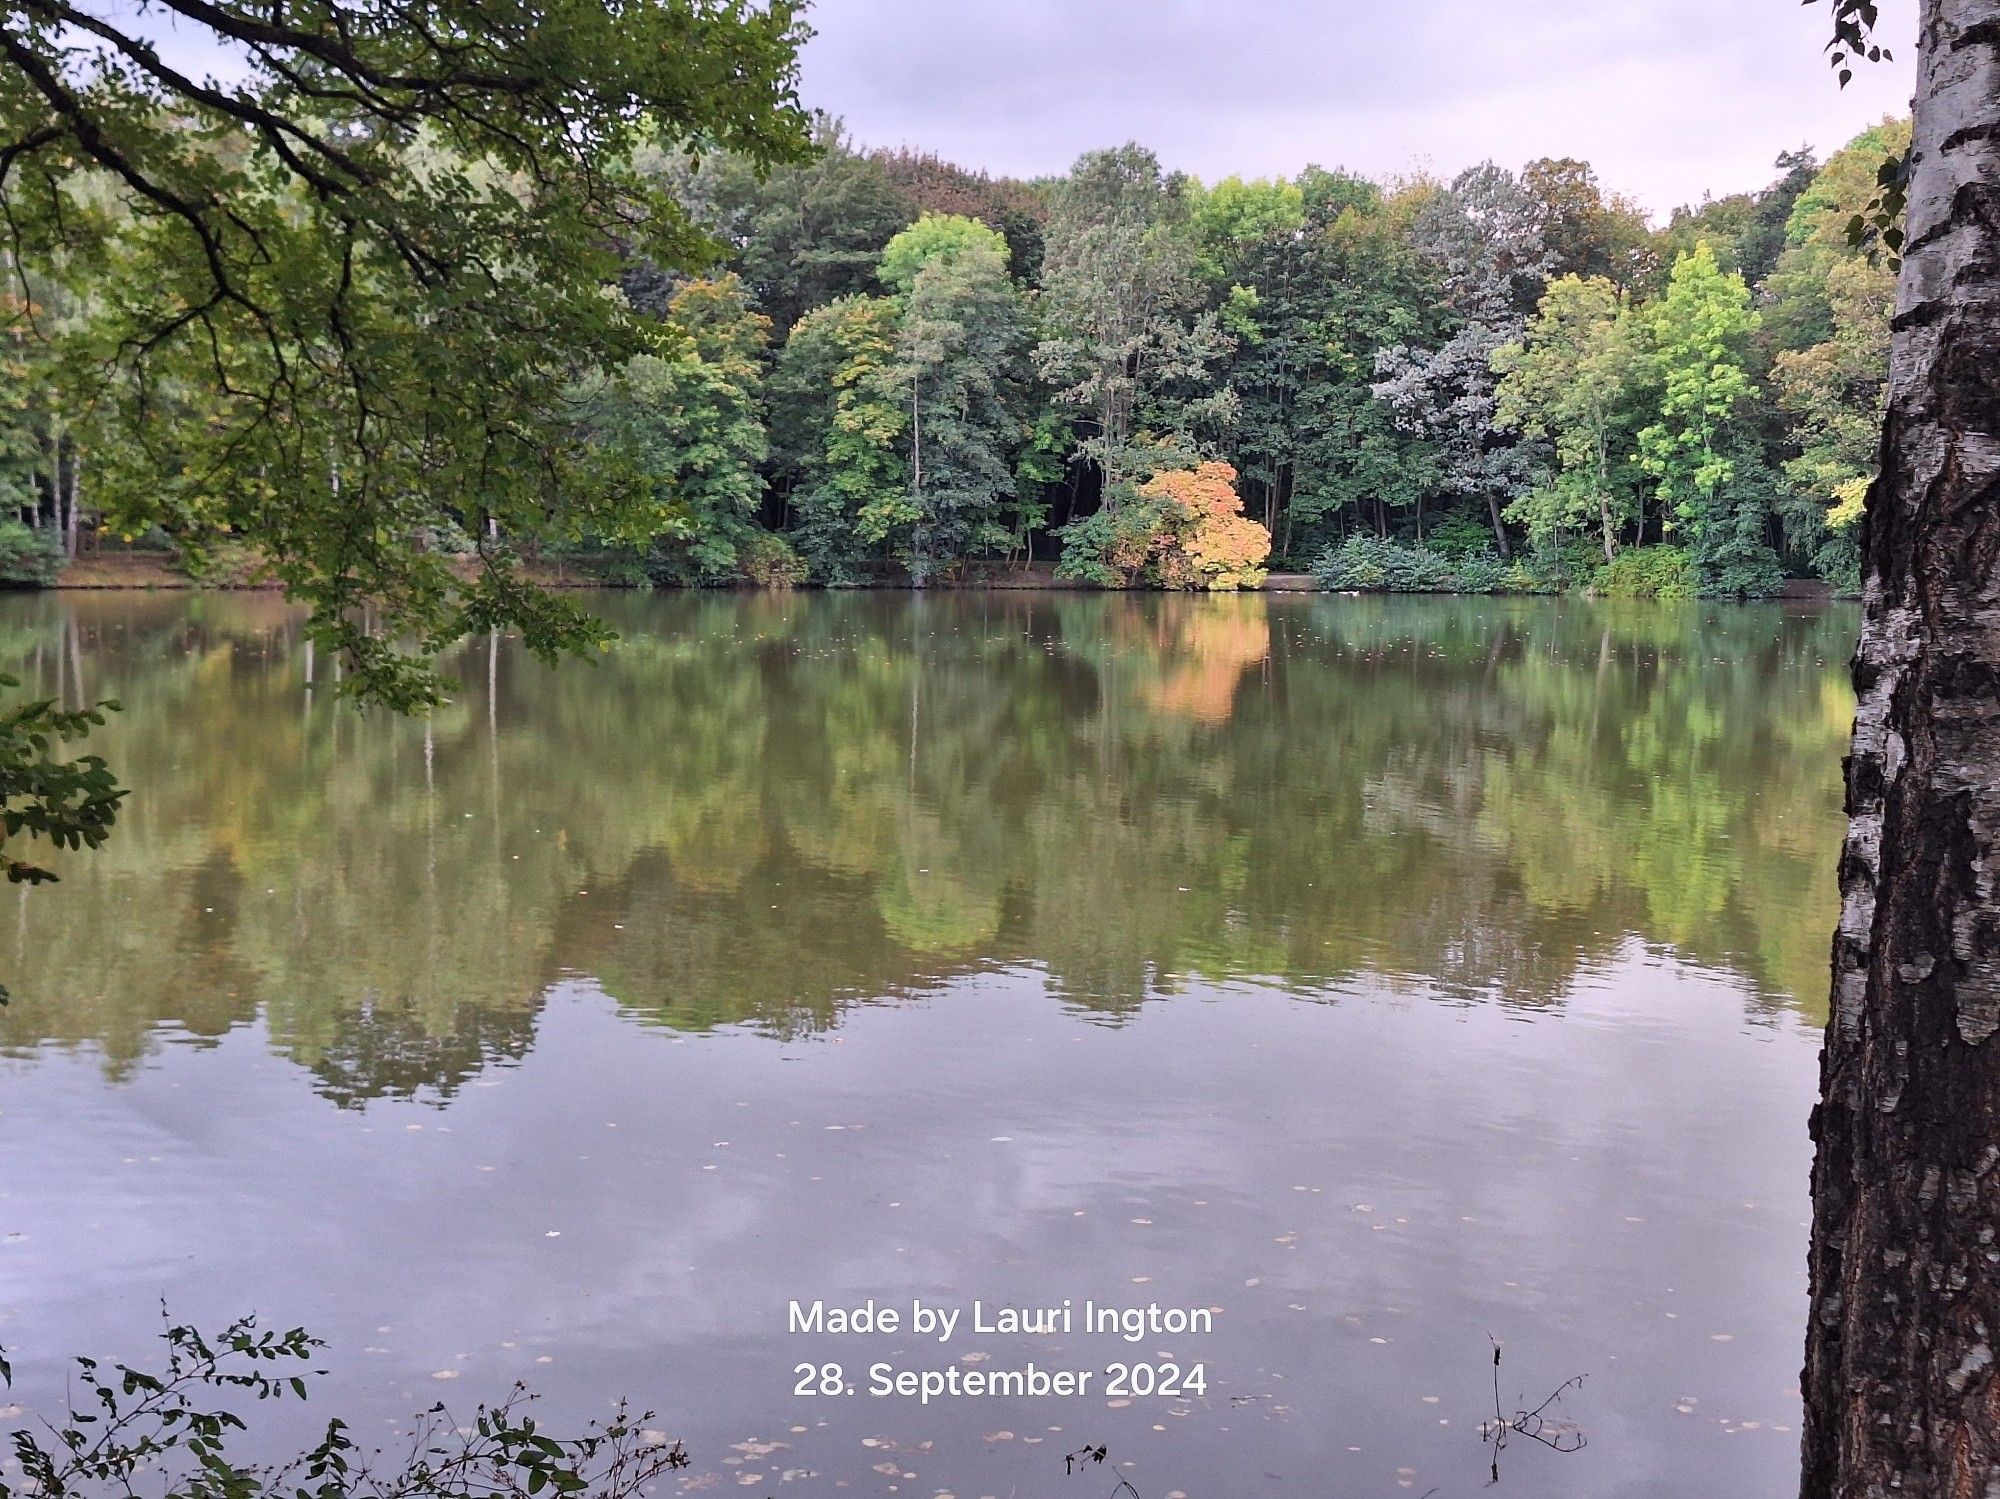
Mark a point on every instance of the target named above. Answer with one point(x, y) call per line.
point(1667, 101)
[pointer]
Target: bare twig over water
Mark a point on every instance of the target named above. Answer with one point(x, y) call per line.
point(1074, 1462)
point(1536, 1425)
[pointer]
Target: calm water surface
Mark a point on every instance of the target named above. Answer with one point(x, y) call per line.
point(1384, 974)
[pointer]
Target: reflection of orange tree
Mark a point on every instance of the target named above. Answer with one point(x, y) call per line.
point(1210, 650)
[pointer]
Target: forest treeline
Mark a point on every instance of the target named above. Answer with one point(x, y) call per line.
point(895, 368)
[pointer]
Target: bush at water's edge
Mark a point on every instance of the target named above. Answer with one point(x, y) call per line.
point(1376, 564)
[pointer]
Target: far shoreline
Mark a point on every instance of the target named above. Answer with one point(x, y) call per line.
point(144, 572)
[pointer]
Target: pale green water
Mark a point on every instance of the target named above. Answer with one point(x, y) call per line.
point(1399, 969)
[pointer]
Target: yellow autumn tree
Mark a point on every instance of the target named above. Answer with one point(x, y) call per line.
point(1208, 542)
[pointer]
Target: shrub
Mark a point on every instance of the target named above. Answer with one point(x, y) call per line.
point(1184, 528)
point(168, 1431)
point(1215, 545)
point(1378, 564)
point(28, 555)
point(623, 569)
point(1527, 576)
point(1111, 547)
point(1459, 537)
point(223, 562)
point(1482, 572)
point(768, 561)
point(1554, 565)
point(1655, 572)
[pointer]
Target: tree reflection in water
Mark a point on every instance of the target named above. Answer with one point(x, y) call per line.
point(763, 809)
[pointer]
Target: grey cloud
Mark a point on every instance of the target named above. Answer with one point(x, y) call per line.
point(1666, 101)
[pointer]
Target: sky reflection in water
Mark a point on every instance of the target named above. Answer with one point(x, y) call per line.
point(1386, 973)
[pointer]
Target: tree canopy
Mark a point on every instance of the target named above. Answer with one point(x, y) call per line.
point(326, 296)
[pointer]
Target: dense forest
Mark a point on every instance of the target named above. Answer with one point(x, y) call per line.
point(893, 369)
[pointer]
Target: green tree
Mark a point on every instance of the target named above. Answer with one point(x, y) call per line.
point(1570, 381)
point(1016, 209)
point(1366, 290)
point(1234, 219)
point(962, 356)
point(690, 418)
point(1253, 251)
point(1746, 231)
point(838, 419)
point(937, 237)
point(1126, 344)
point(1698, 334)
point(1830, 307)
point(799, 236)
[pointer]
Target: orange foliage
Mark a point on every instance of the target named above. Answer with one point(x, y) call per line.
point(1208, 656)
point(1217, 545)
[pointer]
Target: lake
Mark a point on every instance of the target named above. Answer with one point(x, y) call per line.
point(1378, 976)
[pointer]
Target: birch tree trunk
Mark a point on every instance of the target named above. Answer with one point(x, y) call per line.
point(75, 497)
point(1899, 1382)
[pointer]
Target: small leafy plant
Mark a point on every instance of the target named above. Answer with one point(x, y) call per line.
point(168, 1432)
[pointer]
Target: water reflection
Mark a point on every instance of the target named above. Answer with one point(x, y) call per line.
point(1384, 973)
point(765, 810)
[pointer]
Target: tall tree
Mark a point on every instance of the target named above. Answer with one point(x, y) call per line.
point(1829, 306)
point(1587, 233)
point(1254, 253)
point(1901, 1385)
point(1367, 289)
point(1746, 230)
point(1016, 209)
point(799, 236)
point(1570, 381)
point(689, 418)
point(1485, 236)
point(838, 420)
point(1705, 476)
point(1121, 306)
point(962, 357)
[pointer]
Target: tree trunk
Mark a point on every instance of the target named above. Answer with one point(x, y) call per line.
point(58, 491)
point(1499, 527)
point(1899, 1382)
point(1604, 520)
point(75, 496)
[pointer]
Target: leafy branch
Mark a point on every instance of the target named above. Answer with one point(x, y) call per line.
point(168, 1430)
point(1854, 41)
point(335, 297)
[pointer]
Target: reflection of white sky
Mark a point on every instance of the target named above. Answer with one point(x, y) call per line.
point(1668, 101)
point(1608, 1183)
